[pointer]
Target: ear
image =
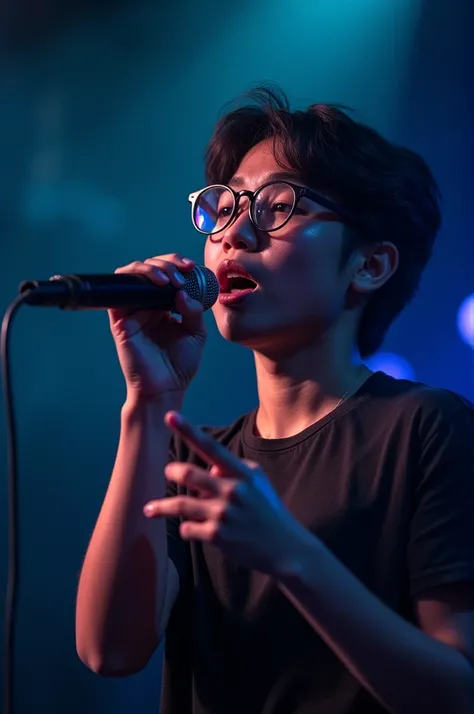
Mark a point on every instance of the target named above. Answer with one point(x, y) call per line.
point(374, 265)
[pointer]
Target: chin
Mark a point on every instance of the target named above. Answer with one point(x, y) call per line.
point(243, 329)
point(260, 335)
point(255, 333)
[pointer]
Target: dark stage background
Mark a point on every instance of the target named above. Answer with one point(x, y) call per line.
point(105, 111)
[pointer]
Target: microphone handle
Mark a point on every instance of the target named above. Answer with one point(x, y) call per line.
point(85, 292)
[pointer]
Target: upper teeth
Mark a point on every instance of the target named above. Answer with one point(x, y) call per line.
point(236, 275)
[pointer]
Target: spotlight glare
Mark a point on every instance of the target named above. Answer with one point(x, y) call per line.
point(465, 320)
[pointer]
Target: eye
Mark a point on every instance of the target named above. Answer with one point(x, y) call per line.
point(281, 207)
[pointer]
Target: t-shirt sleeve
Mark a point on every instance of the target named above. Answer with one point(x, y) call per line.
point(441, 542)
point(178, 549)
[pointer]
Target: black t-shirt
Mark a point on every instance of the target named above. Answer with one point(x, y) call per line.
point(386, 481)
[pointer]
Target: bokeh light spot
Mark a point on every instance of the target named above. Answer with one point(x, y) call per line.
point(394, 365)
point(465, 320)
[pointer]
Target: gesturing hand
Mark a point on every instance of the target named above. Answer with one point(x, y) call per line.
point(237, 509)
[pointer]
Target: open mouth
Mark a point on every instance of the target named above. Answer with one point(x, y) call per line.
point(237, 283)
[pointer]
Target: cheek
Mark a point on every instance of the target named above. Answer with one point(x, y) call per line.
point(310, 264)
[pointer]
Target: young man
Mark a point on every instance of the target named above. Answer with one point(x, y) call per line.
point(317, 555)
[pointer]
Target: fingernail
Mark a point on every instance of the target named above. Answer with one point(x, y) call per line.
point(188, 261)
point(176, 418)
point(148, 509)
point(181, 279)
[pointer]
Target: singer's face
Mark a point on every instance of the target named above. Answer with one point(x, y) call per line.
point(301, 287)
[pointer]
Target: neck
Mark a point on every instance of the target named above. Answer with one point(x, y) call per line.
point(297, 388)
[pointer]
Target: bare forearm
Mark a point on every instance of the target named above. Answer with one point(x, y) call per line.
point(405, 669)
point(123, 580)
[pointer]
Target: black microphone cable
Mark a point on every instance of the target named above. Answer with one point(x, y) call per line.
point(13, 530)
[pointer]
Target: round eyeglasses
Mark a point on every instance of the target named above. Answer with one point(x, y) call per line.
point(270, 207)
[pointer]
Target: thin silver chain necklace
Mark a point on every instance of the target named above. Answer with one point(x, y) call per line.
point(361, 372)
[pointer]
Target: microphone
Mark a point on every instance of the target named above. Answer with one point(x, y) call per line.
point(126, 290)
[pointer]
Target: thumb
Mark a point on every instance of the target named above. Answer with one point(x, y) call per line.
point(191, 312)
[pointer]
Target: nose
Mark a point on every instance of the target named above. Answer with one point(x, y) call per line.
point(241, 234)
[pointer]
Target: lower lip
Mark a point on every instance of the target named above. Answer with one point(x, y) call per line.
point(235, 297)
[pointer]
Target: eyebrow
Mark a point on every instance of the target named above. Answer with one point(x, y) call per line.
point(240, 181)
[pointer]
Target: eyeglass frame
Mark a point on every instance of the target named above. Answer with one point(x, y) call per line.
point(299, 192)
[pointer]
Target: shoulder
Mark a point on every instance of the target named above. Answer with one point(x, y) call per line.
point(425, 408)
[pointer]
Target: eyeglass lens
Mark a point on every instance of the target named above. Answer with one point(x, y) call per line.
point(272, 205)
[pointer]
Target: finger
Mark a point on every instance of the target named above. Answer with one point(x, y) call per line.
point(205, 482)
point(152, 272)
point(192, 477)
point(156, 270)
point(231, 489)
point(217, 471)
point(209, 531)
point(188, 307)
point(191, 312)
point(207, 447)
point(183, 264)
point(180, 506)
point(165, 266)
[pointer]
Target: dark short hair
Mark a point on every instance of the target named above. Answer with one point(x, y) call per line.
point(389, 189)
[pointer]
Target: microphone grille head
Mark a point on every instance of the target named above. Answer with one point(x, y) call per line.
point(202, 285)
